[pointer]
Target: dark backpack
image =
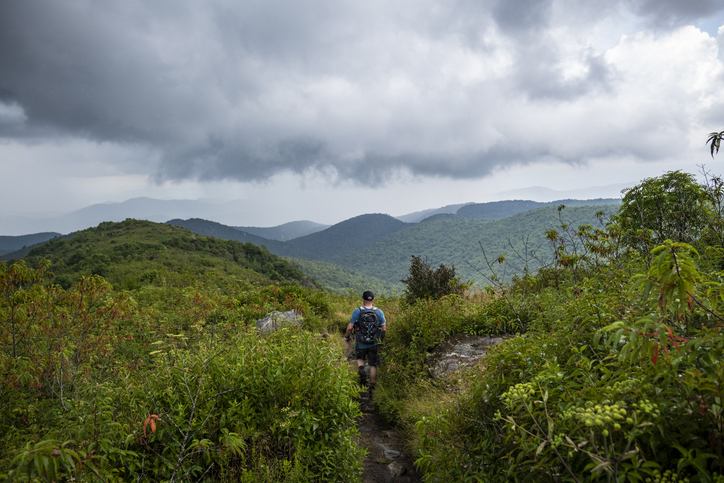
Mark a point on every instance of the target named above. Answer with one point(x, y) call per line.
point(367, 325)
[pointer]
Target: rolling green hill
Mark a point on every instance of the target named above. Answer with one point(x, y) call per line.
point(345, 237)
point(377, 248)
point(133, 252)
point(454, 240)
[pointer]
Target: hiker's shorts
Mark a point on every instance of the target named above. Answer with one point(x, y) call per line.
point(373, 358)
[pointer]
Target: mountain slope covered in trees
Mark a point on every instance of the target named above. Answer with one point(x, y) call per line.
point(453, 240)
point(379, 247)
point(134, 252)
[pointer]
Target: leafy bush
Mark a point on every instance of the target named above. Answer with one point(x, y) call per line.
point(425, 283)
point(584, 399)
point(169, 384)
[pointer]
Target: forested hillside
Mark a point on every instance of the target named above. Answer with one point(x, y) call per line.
point(342, 280)
point(345, 237)
point(217, 230)
point(464, 243)
point(133, 253)
point(379, 247)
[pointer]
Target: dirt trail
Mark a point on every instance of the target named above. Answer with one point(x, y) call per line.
point(386, 461)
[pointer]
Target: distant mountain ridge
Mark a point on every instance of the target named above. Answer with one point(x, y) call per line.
point(230, 213)
point(285, 232)
point(217, 230)
point(10, 244)
point(136, 208)
point(349, 235)
point(380, 246)
point(418, 216)
point(496, 210)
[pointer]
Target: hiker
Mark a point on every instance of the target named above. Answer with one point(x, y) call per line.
point(370, 328)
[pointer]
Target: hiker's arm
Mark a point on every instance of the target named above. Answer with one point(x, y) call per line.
point(350, 326)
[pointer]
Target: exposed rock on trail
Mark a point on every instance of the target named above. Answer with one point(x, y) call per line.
point(386, 461)
point(275, 320)
point(457, 352)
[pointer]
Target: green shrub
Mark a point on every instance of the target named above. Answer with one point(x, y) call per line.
point(423, 282)
point(171, 384)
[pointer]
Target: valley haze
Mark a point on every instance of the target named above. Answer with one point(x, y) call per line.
point(237, 213)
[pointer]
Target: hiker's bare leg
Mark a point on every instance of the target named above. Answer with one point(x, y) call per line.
point(373, 374)
point(360, 362)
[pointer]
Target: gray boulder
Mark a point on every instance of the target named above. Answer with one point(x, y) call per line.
point(457, 352)
point(275, 320)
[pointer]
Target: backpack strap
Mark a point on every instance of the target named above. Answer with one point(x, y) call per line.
point(356, 322)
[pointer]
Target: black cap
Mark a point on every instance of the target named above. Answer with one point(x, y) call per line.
point(369, 296)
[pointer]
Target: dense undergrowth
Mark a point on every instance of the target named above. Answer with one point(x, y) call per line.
point(171, 382)
point(614, 371)
point(611, 368)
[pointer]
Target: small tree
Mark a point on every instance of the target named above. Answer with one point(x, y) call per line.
point(425, 283)
point(669, 207)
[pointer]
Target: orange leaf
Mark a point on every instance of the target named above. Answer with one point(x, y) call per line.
point(655, 354)
point(153, 426)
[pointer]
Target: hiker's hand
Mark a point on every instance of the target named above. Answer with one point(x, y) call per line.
point(348, 339)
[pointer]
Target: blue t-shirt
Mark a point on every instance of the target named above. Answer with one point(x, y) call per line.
point(355, 318)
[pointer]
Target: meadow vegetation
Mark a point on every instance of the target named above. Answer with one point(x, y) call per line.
point(161, 375)
point(611, 368)
point(614, 369)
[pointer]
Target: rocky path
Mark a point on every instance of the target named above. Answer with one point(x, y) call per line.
point(386, 461)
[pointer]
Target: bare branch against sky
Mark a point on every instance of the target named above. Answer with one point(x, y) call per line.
point(359, 106)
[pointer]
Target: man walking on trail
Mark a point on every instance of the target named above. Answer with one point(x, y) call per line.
point(370, 328)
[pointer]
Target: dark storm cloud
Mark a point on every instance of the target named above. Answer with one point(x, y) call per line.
point(375, 167)
point(73, 68)
point(673, 13)
point(217, 159)
point(246, 90)
point(522, 17)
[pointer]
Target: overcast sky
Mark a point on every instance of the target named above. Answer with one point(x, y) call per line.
point(326, 109)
